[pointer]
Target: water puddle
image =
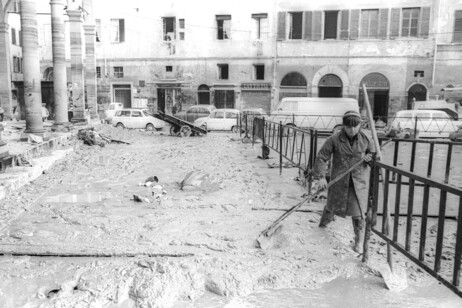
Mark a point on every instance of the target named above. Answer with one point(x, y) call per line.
point(85, 197)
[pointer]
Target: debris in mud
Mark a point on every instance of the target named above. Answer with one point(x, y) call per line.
point(138, 198)
point(149, 181)
point(90, 137)
point(265, 152)
point(23, 161)
point(199, 180)
point(34, 138)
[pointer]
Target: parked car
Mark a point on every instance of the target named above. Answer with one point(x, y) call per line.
point(111, 110)
point(136, 118)
point(456, 135)
point(254, 112)
point(430, 123)
point(195, 112)
point(220, 119)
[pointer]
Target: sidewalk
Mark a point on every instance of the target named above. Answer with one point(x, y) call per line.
point(27, 160)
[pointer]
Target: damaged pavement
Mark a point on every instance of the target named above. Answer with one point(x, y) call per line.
point(77, 234)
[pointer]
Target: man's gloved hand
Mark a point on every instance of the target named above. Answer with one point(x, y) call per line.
point(320, 184)
point(368, 157)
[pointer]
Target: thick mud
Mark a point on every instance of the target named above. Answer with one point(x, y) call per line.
point(77, 238)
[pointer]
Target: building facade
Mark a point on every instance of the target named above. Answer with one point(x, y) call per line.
point(168, 54)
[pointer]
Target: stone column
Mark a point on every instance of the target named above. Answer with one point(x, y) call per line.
point(5, 70)
point(90, 69)
point(31, 68)
point(77, 73)
point(59, 64)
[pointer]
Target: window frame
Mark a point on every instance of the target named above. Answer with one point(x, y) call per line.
point(337, 24)
point(370, 21)
point(255, 71)
point(118, 72)
point(291, 26)
point(119, 24)
point(98, 72)
point(409, 27)
point(457, 35)
point(258, 18)
point(221, 74)
point(223, 23)
point(165, 32)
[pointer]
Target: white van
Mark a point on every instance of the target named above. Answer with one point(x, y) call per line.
point(430, 123)
point(321, 113)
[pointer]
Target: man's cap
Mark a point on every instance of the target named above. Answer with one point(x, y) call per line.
point(351, 113)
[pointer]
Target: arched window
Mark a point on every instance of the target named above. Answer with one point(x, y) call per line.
point(330, 85)
point(203, 94)
point(294, 79)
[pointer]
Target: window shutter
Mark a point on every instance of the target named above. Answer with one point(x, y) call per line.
point(457, 27)
point(344, 15)
point(394, 22)
point(424, 21)
point(281, 26)
point(354, 24)
point(121, 30)
point(317, 23)
point(308, 33)
point(383, 24)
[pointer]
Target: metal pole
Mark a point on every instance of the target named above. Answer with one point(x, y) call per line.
point(280, 147)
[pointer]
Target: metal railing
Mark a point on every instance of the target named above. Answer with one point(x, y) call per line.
point(433, 158)
point(435, 245)
point(298, 146)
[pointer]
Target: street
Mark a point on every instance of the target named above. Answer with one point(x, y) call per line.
point(80, 240)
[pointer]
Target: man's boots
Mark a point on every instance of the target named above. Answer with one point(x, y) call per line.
point(358, 227)
point(326, 217)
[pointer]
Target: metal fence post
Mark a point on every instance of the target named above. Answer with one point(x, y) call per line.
point(280, 147)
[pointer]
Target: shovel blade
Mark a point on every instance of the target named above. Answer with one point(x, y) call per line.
point(395, 280)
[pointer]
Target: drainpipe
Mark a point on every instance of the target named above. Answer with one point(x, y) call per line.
point(275, 56)
point(435, 51)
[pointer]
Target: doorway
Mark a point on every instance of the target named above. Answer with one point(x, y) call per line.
point(122, 93)
point(416, 93)
point(224, 98)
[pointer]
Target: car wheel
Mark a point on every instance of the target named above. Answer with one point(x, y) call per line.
point(235, 129)
point(150, 127)
point(185, 131)
point(173, 130)
point(120, 125)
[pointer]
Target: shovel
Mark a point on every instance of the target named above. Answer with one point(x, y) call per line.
point(265, 238)
point(396, 280)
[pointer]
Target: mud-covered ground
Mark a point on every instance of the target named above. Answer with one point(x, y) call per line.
point(76, 238)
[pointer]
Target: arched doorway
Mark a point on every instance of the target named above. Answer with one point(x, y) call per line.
point(378, 89)
point(416, 93)
point(330, 85)
point(203, 94)
point(293, 85)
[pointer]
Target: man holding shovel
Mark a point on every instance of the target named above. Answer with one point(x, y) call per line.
point(348, 196)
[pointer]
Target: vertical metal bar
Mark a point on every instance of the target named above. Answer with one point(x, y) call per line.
point(280, 152)
point(315, 144)
point(263, 141)
point(423, 226)
point(310, 157)
point(458, 252)
point(302, 144)
point(414, 145)
point(287, 142)
point(375, 194)
point(397, 206)
point(395, 155)
point(293, 148)
point(385, 202)
point(448, 163)
point(410, 211)
point(440, 235)
point(430, 159)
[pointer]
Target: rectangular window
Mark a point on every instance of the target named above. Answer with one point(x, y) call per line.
point(296, 25)
point(259, 71)
point(418, 73)
point(17, 65)
point(181, 31)
point(169, 33)
point(369, 23)
point(223, 71)
point(13, 36)
point(20, 39)
point(169, 68)
point(410, 22)
point(16, 6)
point(98, 30)
point(260, 25)
point(117, 30)
point(98, 72)
point(330, 24)
point(223, 27)
point(118, 72)
point(457, 38)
